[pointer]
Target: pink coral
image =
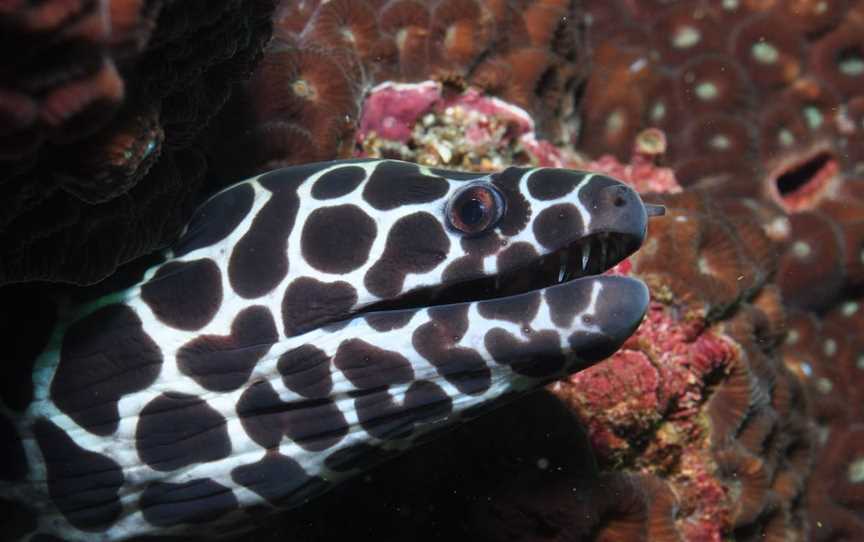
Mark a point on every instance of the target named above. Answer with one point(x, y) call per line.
point(391, 110)
point(435, 125)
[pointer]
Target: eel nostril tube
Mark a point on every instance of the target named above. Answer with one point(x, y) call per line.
point(654, 210)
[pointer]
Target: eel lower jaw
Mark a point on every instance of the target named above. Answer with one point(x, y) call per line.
point(619, 307)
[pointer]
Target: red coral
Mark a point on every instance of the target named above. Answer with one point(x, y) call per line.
point(391, 111)
point(642, 172)
point(655, 390)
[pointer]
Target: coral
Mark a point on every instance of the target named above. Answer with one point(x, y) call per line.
point(617, 99)
point(813, 17)
point(767, 105)
point(700, 396)
point(101, 105)
point(712, 83)
point(424, 123)
point(770, 55)
point(835, 495)
point(407, 22)
point(330, 54)
point(706, 251)
point(66, 84)
point(642, 171)
point(811, 269)
point(837, 58)
point(681, 32)
point(345, 24)
point(460, 31)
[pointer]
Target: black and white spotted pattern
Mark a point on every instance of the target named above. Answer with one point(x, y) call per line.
point(278, 349)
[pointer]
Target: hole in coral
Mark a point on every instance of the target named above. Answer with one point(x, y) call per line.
point(800, 176)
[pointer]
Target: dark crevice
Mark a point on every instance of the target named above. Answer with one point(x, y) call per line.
point(801, 175)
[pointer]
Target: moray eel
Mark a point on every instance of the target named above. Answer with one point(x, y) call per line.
point(309, 322)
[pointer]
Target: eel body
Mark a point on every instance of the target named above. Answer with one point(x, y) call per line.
point(309, 322)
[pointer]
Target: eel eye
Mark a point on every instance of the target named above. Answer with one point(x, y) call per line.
point(475, 208)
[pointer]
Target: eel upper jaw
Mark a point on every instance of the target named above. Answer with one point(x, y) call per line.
point(586, 256)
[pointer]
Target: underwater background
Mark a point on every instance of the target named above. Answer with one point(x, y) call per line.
point(734, 412)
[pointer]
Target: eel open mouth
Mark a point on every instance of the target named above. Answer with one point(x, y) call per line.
point(588, 256)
